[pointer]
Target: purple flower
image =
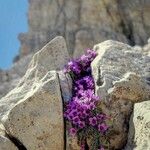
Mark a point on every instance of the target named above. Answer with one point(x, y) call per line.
point(101, 148)
point(76, 120)
point(92, 53)
point(101, 117)
point(93, 121)
point(65, 70)
point(72, 131)
point(74, 112)
point(83, 146)
point(81, 124)
point(73, 66)
point(80, 110)
point(84, 59)
point(83, 114)
point(92, 106)
point(102, 127)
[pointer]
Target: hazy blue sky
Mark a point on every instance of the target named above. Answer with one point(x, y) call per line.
point(13, 20)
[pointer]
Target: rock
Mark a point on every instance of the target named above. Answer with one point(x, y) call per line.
point(121, 78)
point(146, 48)
point(131, 87)
point(10, 78)
point(47, 59)
point(138, 48)
point(33, 111)
point(66, 86)
point(37, 119)
point(84, 23)
point(82, 38)
point(114, 60)
point(5, 143)
point(139, 129)
point(148, 40)
point(66, 91)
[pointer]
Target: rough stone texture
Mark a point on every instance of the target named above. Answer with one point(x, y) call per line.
point(10, 78)
point(145, 49)
point(66, 91)
point(121, 77)
point(139, 131)
point(33, 111)
point(37, 119)
point(66, 85)
point(131, 87)
point(83, 23)
point(5, 143)
point(86, 22)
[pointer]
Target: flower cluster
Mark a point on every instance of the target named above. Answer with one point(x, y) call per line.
point(81, 110)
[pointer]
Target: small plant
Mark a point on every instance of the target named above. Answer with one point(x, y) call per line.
point(87, 120)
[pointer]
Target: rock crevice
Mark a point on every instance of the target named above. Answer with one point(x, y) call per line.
point(16, 142)
point(32, 113)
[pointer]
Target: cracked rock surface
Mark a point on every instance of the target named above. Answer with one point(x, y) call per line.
point(83, 23)
point(32, 113)
point(5, 142)
point(86, 22)
point(121, 77)
point(139, 133)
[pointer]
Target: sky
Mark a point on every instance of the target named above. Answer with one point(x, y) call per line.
point(13, 20)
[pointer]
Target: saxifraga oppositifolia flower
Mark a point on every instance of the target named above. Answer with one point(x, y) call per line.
point(79, 110)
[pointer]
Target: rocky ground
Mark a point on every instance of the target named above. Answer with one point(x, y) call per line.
point(121, 72)
point(32, 113)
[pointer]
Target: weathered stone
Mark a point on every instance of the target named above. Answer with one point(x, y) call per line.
point(146, 48)
point(52, 57)
point(33, 111)
point(66, 85)
point(139, 129)
point(37, 119)
point(5, 143)
point(82, 23)
point(131, 88)
point(82, 38)
point(114, 60)
point(126, 21)
point(10, 78)
point(121, 78)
